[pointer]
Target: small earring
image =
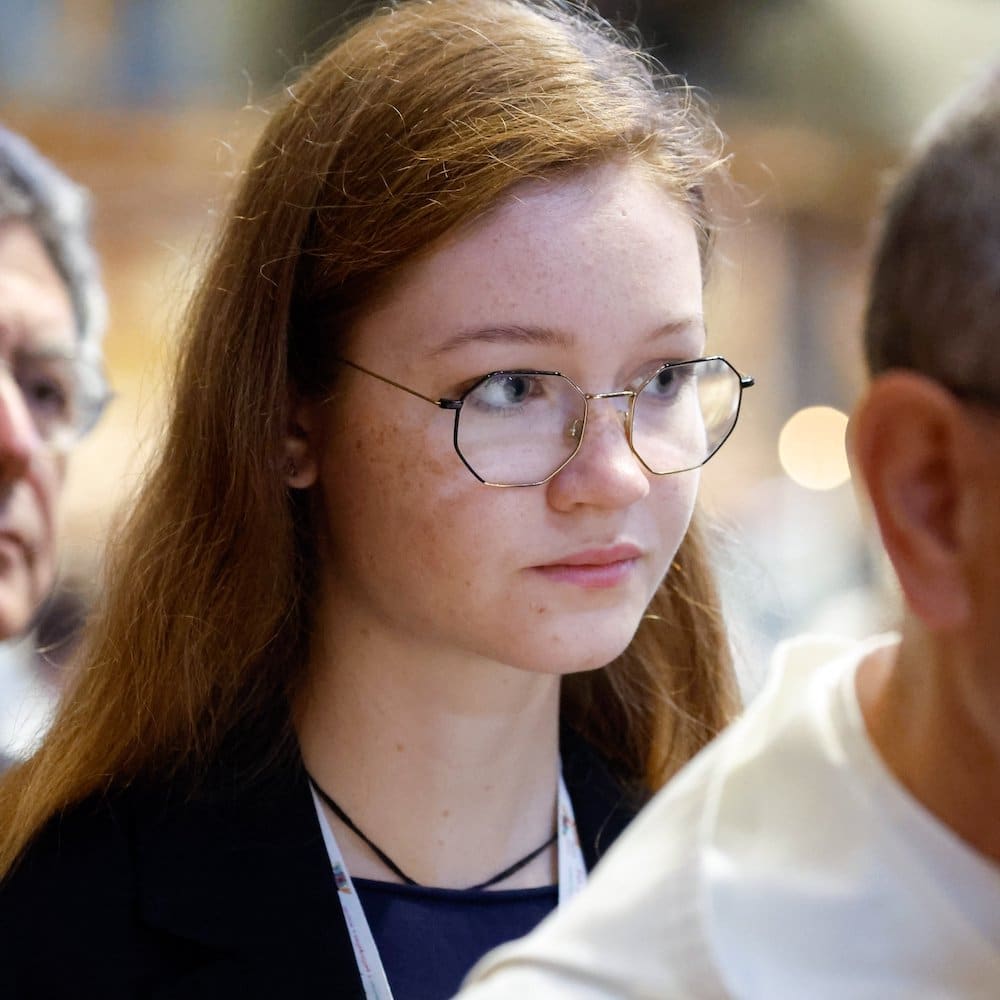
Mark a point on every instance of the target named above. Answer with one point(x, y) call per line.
point(297, 467)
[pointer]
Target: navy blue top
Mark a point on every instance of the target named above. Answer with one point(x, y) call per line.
point(430, 938)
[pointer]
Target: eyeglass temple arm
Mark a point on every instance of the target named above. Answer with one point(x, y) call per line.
point(445, 404)
point(746, 381)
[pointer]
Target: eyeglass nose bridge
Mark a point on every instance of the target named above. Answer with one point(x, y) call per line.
point(576, 429)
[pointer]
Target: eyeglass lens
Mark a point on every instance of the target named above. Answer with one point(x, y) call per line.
point(62, 395)
point(519, 428)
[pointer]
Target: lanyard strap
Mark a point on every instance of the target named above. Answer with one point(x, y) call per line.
point(572, 876)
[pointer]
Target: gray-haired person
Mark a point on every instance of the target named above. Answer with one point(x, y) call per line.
point(842, 840)
point(52, 386)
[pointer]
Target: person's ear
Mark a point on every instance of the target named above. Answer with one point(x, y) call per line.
point(907, 437)
point(299, 463)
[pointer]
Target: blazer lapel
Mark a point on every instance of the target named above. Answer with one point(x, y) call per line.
point(602, 805)
point(239, 877)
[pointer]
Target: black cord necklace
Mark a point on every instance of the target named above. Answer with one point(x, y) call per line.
point(396, 870)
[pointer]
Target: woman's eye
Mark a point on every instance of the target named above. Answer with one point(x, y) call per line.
point(668, 382)
point(506, 390)
point(665, 379)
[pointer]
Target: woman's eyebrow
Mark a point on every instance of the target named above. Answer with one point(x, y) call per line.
point(682, 327)
point(541, 335)
point(549, 337)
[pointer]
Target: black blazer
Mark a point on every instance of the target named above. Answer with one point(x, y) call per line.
point(227, 894)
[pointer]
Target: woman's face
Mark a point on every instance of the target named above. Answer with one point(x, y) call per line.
point(597, 277)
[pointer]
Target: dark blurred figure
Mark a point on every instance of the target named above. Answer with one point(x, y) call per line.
point(52, 391)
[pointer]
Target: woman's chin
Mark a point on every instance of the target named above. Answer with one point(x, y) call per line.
point(576, 650)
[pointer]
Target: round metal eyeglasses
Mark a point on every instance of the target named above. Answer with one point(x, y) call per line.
point(520, 428)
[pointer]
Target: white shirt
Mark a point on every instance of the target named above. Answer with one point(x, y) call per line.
point(785, 862)
point(27, 699)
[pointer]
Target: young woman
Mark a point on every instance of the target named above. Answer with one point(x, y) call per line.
point(390, 651)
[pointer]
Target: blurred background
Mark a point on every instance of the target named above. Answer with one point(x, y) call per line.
point(153, 105)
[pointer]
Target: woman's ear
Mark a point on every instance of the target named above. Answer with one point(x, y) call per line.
point(300, 465)
point(907, 437)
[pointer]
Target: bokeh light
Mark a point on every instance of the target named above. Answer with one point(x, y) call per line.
point(812, 448)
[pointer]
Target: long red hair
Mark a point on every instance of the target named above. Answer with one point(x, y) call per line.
point(415, 122)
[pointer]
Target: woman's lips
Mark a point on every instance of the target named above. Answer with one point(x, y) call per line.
point(593, 569)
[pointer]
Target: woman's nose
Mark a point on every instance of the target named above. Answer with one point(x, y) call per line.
point(604, 472)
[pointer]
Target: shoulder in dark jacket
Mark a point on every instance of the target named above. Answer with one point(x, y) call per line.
point(222, 893)
point(226, 893)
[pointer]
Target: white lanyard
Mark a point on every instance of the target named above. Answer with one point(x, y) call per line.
point(572, 876)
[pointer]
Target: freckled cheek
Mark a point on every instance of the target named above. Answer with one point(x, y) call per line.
point(447, 534)
point(399, 498)
point(674, 500)
point(463, 531)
